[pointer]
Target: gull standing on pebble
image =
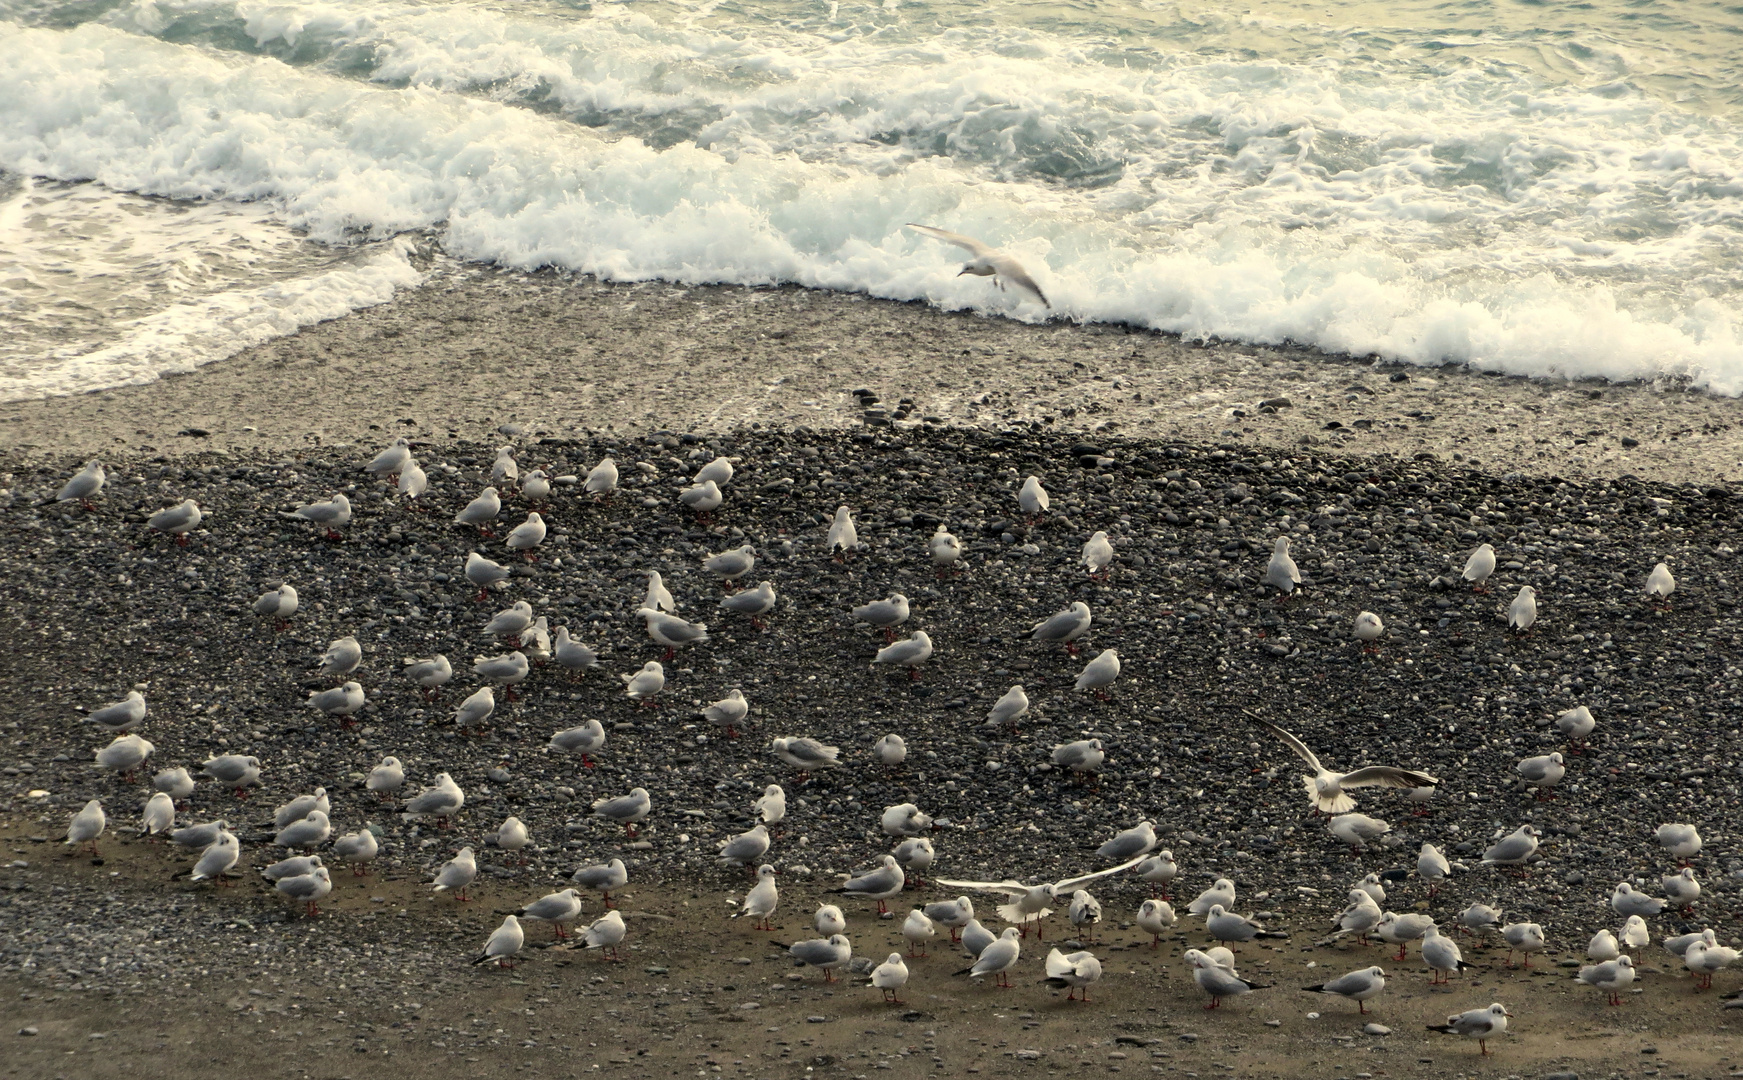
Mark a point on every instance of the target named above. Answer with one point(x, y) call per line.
point(1681, 840)
point(1160, 871)
point(1010, 708)
point(301, 807)
point(1357, 830)
point(1083, 757)
point(987, 261)
point(997, 959)
point(334, 514)
point(308, 889)
point(672, 631)
point(584, 739)
point(359, 849)
point(1098, 555)
point(571, 655)
point(718, 470)
point(1441, 954)
point(625, 810)
point(1515, 849)
point(829, 954)
point(1479, 1024)
point(84, 484)
point(944, 548)
point(176, 783)
point(386, 778)
point(178, 521)
point(603, 878)
point(512, 835)
point(431, 674)
point(555, 908)
point(915, 856)
point(120, 716)
point(1154, 918)
point(729, 566)
point(917, 930)
point(805, 754)
point(771, 806)
point(1634, 934)
point(294, 866)
point(601, 479)
point(1576, 723)
point(1706, 958)
point(1325, 788)
point(746, 847)
point(1357, 986)
point(646, 684)
point(904, 819)
point(1033, 498)
point(390, 461)
point(125, 754)
point(754, 603)
point(1099, 673)
point(476, 709)
point(1072, 972)
point(1611, 976)
point(890, 750)
point(843, 538)
point(1064, 627)
point(890, 976)
point(481, 511)
point(413, 481)
point(728, 712)
point(87, 825)
point(503, 944)
point(1625, 901)
point(1368, 629)
point(1218, 981)
point(1681, 888)
point(1401, 930)
point(703, 499)
point(280, 604)
point(1542, 773)
point(1281, 573)
point(953, 915)
point(536, 488)
point(884, 615)
point(341, 658)
point(527, 536)
point(442, 800)
point(762, 899)
point(1432, 867)
point(1479, 566)
point(910, 652)
point(1603, 947)
point(484, 573)
point(341, 701)
point(1525, 938)
point(1140, 839)
point(159, 814)
point(503, 471)
point(508, 670)
point(829, 920)
point(456, 874)
point(1522, 613)
point(1360, 916)
point(234, 771)
point(218, 857)
point(883, 884)
point(309, 832)
point(1660, 583)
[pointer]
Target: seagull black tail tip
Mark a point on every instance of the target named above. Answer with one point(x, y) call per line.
point(1316, 989)
point(964, 971)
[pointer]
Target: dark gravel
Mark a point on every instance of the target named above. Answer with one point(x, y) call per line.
point(94, 605)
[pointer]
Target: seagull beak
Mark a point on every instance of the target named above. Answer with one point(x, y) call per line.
point(961, 272)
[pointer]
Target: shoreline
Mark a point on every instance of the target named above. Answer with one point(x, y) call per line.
point(476, 348)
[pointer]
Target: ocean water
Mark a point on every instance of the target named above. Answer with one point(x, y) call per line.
point(1544, 189)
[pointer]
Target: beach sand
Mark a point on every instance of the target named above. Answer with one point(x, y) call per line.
point(183, 982)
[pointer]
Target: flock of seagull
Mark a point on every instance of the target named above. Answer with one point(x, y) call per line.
point(303, 824)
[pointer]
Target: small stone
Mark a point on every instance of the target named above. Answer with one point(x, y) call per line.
point(27, 1031)
point(816, 1019)
point(1628, 443)
point(497, 774)
point(1376, 1029)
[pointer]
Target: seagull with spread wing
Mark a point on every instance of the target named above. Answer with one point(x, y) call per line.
point(1028, 903)
point(988, 261)
point(1326, 788)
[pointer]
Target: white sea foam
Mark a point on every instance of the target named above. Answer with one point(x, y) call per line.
point(1463, 213)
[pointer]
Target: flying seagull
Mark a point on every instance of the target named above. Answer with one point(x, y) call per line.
point(1326, 788)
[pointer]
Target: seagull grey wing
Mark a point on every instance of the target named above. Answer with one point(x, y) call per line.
point(1072, 884)
point(1296, 745)
point(1219, 982)
point(1014, 272)
point(967, 243)
point(1010, 888)
point(1353, 983)
point(1386, 776)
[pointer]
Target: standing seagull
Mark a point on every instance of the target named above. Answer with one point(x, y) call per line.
point(86, 483)
point(1479, 1024)
point(1098, 555)
point(1028, 903)
point(1358, 986)
point(334, 514)
point(1281, 573)
point(987, 261)
point(1033, 498)
point(1326, 788)
point(1218, 981)
point(1479, 566)
point(1660, 583)
point(1523, 611)
point(843, 537)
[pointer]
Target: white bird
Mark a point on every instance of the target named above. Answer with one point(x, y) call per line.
point(1064, 627)
point(503, 944)
point(159, 814)
point(1216, 980)
point(536, 642)
point(731, 565)
point(1010, 708)
point(746, 847)
point(1072, 972)
point(602, 478)
point(1479, 1024)
point(584, 739)
point(484, 573)
point(536, 488)
point(1083, 757)
point(1029, 903)
point(456, 874)
point(828, 954)
point(1098, 554)
point(602, 878)
point(1625, 901)
point(944, 548)
point(555, 908)
point(301, 807)
point(672, 631)
point(1523, 611)
point(280, 603)
point(1221, 891)
point(905, 819)
point(196, 837)
point(1325, 788)
point(218, 856)
point(771, 806)
point(1401, 930)
point(1099, 673)
point(829, 920)
point(359, 849)
point(1524, 938)
point(308, 889)
point(295, 866)
point(1033, 498)
point(1154, 918)
point(889, 977)
point(882, 884)
point(1603, 947)
point(1432, 867)
point(806, 755)
point(1357, 830)
point(890, 750)
point(625, 810)
point(84, 484)
point(953, 915)
point(915, 856)
point(503, 471)
point(754, 603)
point(1374, 887)
point(87, 825)
point(391, 460)
point(659, 597)
point(1679, 946)
point(526, 536)
point(917, 930)
point(987, 261)
point(1360, 916)
point(571, 654)
point(308, 832)
point(975, 937)
point(334, 514)
point(386, 778)
point(125, 754)
point(1681, 888)
point(646, 684)
point(178, 521)
point(339, 701)
point(413, 481)
point(508, 670)
point(443, 799)
point(1542, 772)
point(1634, 933)
point(431, 674)
point(1084, 912)
point(1611, 976)
point(478, 707)
point(1479, 566)
point(512, 835)
point(341, 658)
point(1576, 723)
point(1681, 840)
point(1660, 583)
point(762, 899)
point(481, 511)
point(703, 498)
point(718, 470)
point(843, 538)
point(120, 716)
point(997, 958)
point(1707, 957)
point(910, 652)
point(1159, 870)
point(234, 771)
point(176, 783)
point(1140, 839)
point(884, 615)
point(511, 621)
point(1281, 573)
point(1357, 986)
point(1368, 627)
point(1515, 849)
point(1479, 917)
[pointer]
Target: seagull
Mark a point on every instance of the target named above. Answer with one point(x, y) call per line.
point(1072, 972)
point(915, 856)
point(1707, 957)
point(413, 481)
point(176, 783)
point(1479, 1024)
point(975, 937)
point(987, 261)
point(917, 930)
point(125, 754)
point(511, 835)
point(484, 573)
point(1369, 629)
point(761, 900)
point(571, 654)
point(442, 800)
point(1083, 912)
point(503, 471)
point(1010, 708)
point(754, 603)
point(178, 520)
point(905, 819)
point(217, 857)
point(829, 920)
point(1357, 830)
point(1154, 918)
point(843, 537)
point(910, 652)
point(504, 942)
point(196, 837)
point(1357, 986)
point(1218, 981)
point(1281, 573)
point(601, 479)
point(1033, 498)
point(358, 849)
point(729, 566)
point(334, 514)
point(1098, 555)
point(746, 847)
point(1515, 849)
point(828, 954)
point(1028, 903)
point(1682, 841)
point(944, 548)
point(1159, 869)
point(953, 915)
point(890, 750)
point(771, 806)
point(536, 488)
point(606, 933)
point(585, 739)
point(1660, 583)
point(481, 511)
point(508, 670)
point(997, 958)
point(703, 498)
point(602, 879)
point(718, 470)
point(120, 716)
point(1099, 673)
point(1625, 901)
point(309, 832)
point(87, 825)
point(341, 658)
point(884, 615)
point(890, 976)
point(1325, 789)
point(1373, 886)
point(1523, 611)
point(392, 460)
point(1542, 773)
point(1525, 938)
point(1480, 917)
point(341, 701)
point(1083, 757)
point(159, 814)
point(1576, 723)
point(806, 755)
point(1063, 628)
point(555, 908)
point(511, 621)
point(1221, 891)
point(309, 888)
point(1360, 916)
point(1676, 946)
point(456, 874)
point(1401, 930)
point(431, 674)
point(280, 604)
point(659, 597)
point(646, 684)
point(301, 807)
point(1479, 566)
point(882, 884)
point(1603, 947)
point(625, 810)
point(1227, 926)
point(84, 484)
point(234, 771)
point(295, 866)
point(1140, 839)
point(1634, 933)
point(527, 536)
point(478, 707)
point(671, 631)
point(1441, 954)
point(1612, 976)
point(1682, 888)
